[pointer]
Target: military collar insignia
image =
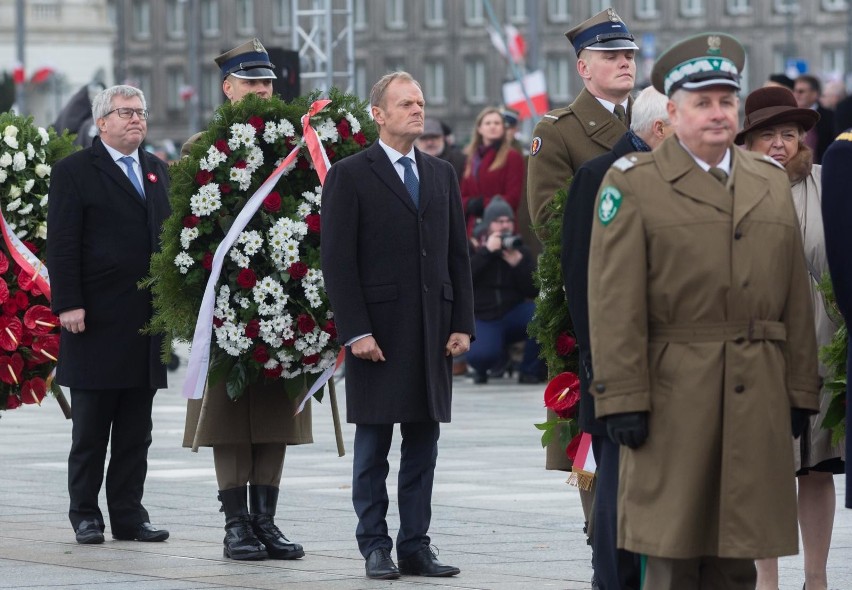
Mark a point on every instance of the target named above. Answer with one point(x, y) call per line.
point(610, 201)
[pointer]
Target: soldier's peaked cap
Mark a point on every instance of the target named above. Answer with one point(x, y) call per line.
point(708, 59)
point(249, 61)
point(603, 32)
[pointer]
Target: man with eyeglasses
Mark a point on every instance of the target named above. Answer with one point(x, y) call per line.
point(106, 206)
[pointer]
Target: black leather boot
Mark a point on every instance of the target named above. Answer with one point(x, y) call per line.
point(240, 540)
point(264, 499)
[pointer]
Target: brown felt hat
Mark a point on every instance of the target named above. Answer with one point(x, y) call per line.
point(773, 105)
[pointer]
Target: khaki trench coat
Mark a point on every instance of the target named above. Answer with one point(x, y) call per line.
point(263, 414)
point(700, 314)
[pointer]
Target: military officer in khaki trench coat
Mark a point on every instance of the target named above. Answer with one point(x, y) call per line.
point(703, 343)
point(249, 436)
point(566, 138)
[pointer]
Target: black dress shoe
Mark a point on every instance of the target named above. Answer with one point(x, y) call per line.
point(89, 532)
point(380, 566)
point(144, 532)
point(425, 563)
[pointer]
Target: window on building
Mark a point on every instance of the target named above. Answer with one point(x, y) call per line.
point(210, 93)
point(834, 62)
point(516, 11)
point(737, 7)
point(395, 64)
point(44, 11)
point(282, 14)
point(434, 86)
point(141, 79)
point(141, 15)
point(395, 14)
point(474, 91)
point(558, 11)
point(646, 9)
point(175, 82)
point(596, 6)
point(691, 8)
point(210, 17)
point(779, 60)
point(558, 71)
point(474, 12)
point(434, 12)
point(834, 5)
point(245, 15)
point(745, 87)
point(359, 14)
point(362, 87)
point(176, 18)
point(786, 6)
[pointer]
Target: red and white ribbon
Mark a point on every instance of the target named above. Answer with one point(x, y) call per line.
point(583, 471)
point(199, 358)
point(28, 261)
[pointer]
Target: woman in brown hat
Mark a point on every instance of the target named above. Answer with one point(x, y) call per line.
point(775, 126)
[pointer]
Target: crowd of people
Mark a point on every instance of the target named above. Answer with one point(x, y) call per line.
point(692, 252)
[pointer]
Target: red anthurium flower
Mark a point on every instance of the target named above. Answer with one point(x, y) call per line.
point(40, 320)
point(252, 329)
point(257, 123)
point(22, 300)
point(246, 279)
point(11, 368)
point(4, 291)
point(25, 280)
point(33, 391)
point(562, 394)
point(565, 344)
point(30, 246)
point(313, 223)
point(298, 270)
point(260, 354)
point(152, 178)
point(573, 447)
point(12, 402)
point(10, 332)
point(202, 177)
point(4, 263)
point(9, 306)
point(305, 323)
point(311, 359)
point(46, 347)
point(272, 202)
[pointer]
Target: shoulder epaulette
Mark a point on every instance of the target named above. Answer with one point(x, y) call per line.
point(556, 114)
point(625, 163)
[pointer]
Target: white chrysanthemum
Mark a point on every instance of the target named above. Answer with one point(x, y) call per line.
point(270, 297)
point(206, 200)
point(232, 339)
point(254, 160)
point(26, 209)
point(280, 233)
point(239, 258)
point(14, 193)
point(291, 251)
point(313, 198)
point(277, 258)
point(43, 201)
point(41, 231)
point(213, 158)
point(188, 234)
point(42, 170)
point(242, 176)
point(327, 131)
point(314, 276)
point(42, 133)
point(286, 128)
point(29, 184)
point(304, 209)
point(10, 131)
point(3, 176)
point(11, 142)
point(251, 241)
point(300, 228)
point(183, 261)
point(270, 364)
point(30, 151)
point(5, 159)
point(19, 161)
point(241, 134)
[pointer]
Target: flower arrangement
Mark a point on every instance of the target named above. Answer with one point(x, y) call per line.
point(272, 317)
point(29, 332)
point(833, 355)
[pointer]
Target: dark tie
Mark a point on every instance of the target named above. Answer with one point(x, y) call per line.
point(128, 165)
point(410, 180)
point(619, 113)
point(719, 175)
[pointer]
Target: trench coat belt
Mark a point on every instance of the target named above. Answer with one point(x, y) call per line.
point(737, 331)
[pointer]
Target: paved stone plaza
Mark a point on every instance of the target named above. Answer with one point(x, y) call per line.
point(497, 514)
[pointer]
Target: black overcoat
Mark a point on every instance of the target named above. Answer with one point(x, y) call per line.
point(837, 223)
point(100, 236)
point(401, 275)
point(578, 215)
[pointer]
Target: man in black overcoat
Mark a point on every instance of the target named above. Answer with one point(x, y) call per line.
point(837, 223)
point(395, 263)
point(614, 568)
point(103, 227)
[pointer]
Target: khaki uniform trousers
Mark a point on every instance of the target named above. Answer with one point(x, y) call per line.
point(700, 573)
point(255, 464)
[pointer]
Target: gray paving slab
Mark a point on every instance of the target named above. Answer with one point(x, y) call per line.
point(497, 514)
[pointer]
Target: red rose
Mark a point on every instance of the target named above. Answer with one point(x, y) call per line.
point(329, 151)
point(273, 373)
point(222, 146)
point(330, 329)
point(202, 177)
point(4, 263)
point(21, 299)
point(360, 139)
point(298, 270)
point(191, 220)
point(302, 164)
point(246, 279)
point(313, 222)
point(288, 343)
point(305, 323)
point(257, 123)
point(562, 394)
point(260, 354)
point(225, 188)
point(310, 359)
point(573, 447)
point(343, 129)
point(253, 328)
point(272, 202)
point(217, 322)
point(565, 344)
point(207, 261)
point(240, 164)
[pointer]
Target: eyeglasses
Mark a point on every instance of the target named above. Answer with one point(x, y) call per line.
point(127, 113)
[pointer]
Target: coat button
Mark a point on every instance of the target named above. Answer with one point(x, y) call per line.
point(425, 289)
point(739, 388)
point(740, 340)
point(423, 251)
point(600, 388)
point(738, 234)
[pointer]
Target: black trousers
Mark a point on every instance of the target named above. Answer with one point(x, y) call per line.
point(615, 569)
point(94, 413)
point(419, 453)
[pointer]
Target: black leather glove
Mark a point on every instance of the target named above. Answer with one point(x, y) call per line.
point(799, 419)
point(474, 207)
point(630, 428)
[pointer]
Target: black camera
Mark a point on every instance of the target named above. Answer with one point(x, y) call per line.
point(510, 242)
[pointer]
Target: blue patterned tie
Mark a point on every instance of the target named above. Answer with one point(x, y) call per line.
point(410, 181)
point(128, 164)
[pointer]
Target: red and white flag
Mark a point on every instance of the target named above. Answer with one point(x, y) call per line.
point(18, 72)
point(41, 74)
point(536, 88)
point(584, 466)
point(517, 46)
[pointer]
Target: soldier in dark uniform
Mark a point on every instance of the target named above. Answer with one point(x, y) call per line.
point(566, 138)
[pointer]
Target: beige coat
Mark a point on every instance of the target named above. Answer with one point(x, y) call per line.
point(264, 414)
point(700, 314)
point(816, 446)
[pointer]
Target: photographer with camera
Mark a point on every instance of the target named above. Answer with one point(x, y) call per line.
point(503, 292)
